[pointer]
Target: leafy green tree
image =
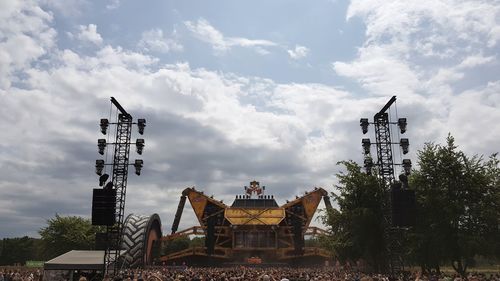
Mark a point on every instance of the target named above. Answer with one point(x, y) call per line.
point(197, 242)
point(458, 207)
point(17, 250)
point(177, 244)
point(63, 234)
point(357, 224)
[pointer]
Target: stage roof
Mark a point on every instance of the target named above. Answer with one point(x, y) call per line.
point(91, 260)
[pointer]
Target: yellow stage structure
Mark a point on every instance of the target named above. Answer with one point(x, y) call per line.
point(253, 228)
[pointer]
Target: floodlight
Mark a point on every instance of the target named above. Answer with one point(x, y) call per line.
point(104, 125)
point(405, 144)
point(402, 125)
point(363, 122)
point(139, 145)
point(141, 124)
point(366, 145)
point(101, 145)
point(368, 165)
point(103, 179)
point(138, 166)
point(109, 185)
point(99, 166)
point(407, 166)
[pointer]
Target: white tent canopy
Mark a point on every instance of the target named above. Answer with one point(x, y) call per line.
point(74, 260)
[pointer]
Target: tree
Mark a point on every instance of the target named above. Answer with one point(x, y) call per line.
point(63, 234)
point(197, 242)
point(458, 207)
point(177, 244)
point(357, 224)
point(17, 250)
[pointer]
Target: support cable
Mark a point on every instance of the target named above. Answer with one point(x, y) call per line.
point(399, 137)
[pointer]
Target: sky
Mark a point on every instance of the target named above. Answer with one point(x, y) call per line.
point(232, 91)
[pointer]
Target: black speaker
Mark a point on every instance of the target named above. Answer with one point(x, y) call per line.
point(210, 237)
point(403, 207)
point(298, 238)
point(100, 241)
point(104, 207)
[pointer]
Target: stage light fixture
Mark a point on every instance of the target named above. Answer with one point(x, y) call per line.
point(103, 179)
point(104, 125)
point(405, 145)
point(368, 165)
point(366, 145)
point(138, 166)
point(109, 185)
point(99, 166)
point(407, 166)
point(402, 125)
point(101, 145)
point(141, 124)
point(363, 122)
point(139, 145)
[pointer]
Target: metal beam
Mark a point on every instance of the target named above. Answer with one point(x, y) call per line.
point(386, 106)
point(118, 105)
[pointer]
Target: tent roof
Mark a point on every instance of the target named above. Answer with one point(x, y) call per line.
point(77, 260)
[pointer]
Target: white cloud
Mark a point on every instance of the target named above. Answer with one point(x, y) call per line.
point(421, 48)
point(113, 4)
point(205, 32)
point(379, 71)
point(470, 20)
point(68, 8)
point(25, 36)
point(153, 40)
point(89, 34)
point(475, 60)
point(299, 52)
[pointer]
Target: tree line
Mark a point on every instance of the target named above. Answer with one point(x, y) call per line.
point(62, 234)
point(457, 212)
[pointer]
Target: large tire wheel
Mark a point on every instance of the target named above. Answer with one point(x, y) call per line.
point(141, 234)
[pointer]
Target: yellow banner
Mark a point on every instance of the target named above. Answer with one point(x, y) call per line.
point(244, 216)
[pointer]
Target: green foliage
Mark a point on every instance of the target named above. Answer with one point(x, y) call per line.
point(458, 211)
point(177, 244)
point(313, 242)
point(458, 207)
point(182, 243)
point(63, 234)
point(18, 250)
point(357, 224)
point(197, 242)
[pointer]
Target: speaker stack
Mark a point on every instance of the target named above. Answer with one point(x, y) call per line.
point(403, 207)
point(104, 207)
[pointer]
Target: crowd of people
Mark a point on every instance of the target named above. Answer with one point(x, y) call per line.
point(9, 274)
point(284, 274)
point(245, 273)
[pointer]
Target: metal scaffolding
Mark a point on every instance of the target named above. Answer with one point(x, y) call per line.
point(120, 175)
point(393, 236)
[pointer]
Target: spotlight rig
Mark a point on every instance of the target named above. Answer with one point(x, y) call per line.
point(109, 202)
